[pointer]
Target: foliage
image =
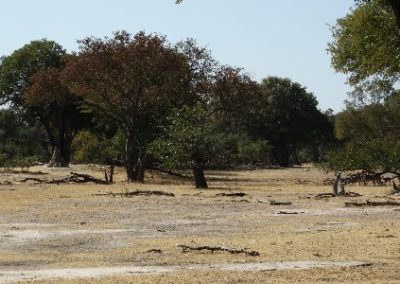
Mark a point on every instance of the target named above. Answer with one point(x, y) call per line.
point(252, 152)
point(56, 108)
point(91, 148)
point(369, 136)
point(191, 138)
point(18, 139)
point(236, 99)
point(289, 119)
point(30, 81)
point(373, 155)
point(17, 69)
point(366, 48)
point(130, 80)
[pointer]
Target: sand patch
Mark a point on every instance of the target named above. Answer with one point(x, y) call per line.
point(13, 276)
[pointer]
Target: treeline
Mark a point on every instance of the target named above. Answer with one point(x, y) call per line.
point(147, 103)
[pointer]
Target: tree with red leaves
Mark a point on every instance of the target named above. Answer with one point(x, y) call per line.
point(131, 80)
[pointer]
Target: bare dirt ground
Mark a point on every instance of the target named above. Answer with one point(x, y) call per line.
point(71, 233)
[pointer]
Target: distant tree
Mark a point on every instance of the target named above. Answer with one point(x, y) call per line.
point(236, 99)
point(290, 119)
point(19, 140)
point(130, 80)
point(369, 137)
point(372, 155)
point(193, 140)
point(197, 80)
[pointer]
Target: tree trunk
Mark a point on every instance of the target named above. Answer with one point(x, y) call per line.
point(65, 152)
point(199, 178)
point(130, 161)
point(140, 169)
point(283, 156)
point(135, 168)
point(57, 160)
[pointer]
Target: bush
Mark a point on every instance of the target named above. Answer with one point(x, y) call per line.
point(90, 148)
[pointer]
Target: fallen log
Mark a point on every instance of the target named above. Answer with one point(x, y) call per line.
point(383, 203)
point(279, 203)
point(373, 203)
point(246, 251)
point(346, 194)
point(355, 204)
point(234, 194)
point(289, 213)
point(153, 251)
point(137, 193)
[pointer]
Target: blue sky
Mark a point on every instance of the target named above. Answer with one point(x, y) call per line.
point(286, 38)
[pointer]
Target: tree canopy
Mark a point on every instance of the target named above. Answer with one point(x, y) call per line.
point(30, 81)
point(366, 48)
point(130, 80)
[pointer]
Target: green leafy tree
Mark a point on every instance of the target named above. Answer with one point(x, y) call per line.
point(289, 119)
point(369, 137)
point(373, 155)
point(30, 82)
point(17, 69)
point(366, 48)
point(193, 140)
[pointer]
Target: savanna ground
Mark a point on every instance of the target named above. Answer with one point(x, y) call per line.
point(72, 233)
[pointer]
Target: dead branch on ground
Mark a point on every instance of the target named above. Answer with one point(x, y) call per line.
point(137, 193)
point(278, 203)
point(289, 213)
point(376, 178)
point(246, 251)
point(373, 203)
point(346, 194)
point(78, 178)
point(233, 194)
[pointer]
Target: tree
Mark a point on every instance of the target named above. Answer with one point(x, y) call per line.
point(369, 137)
point(393, 4)
point(366, 47)
point(30, 82)
point(236, 99)
point(289, 119)
point(130, 80)
point(17, 69)
point(193, 140)
point(57, 109)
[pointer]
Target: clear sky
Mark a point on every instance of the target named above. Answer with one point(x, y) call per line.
point(286, 38)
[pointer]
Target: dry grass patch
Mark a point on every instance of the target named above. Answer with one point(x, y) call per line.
point(71, 226)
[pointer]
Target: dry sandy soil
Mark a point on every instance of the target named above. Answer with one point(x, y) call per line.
point(71, 233)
